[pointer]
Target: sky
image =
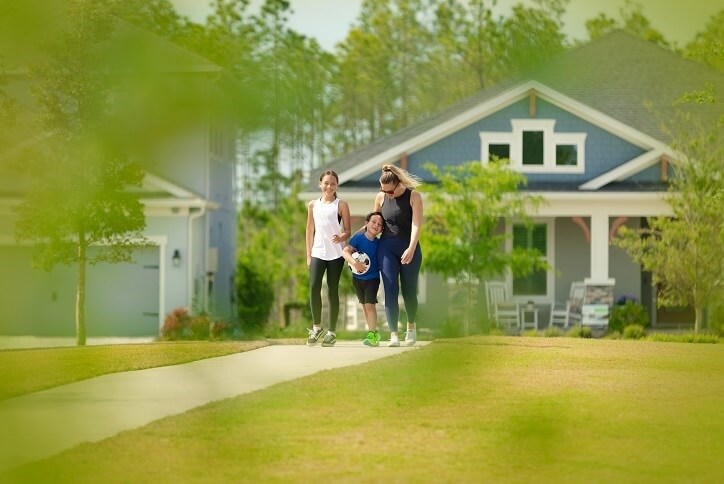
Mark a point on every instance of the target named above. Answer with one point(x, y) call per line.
point(329, 21)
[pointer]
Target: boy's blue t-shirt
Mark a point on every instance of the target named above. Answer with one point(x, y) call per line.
point(369, 247)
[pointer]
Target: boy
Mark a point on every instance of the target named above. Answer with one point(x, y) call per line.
point(366, 280)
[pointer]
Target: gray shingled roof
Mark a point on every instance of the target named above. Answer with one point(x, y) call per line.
point(615, 75)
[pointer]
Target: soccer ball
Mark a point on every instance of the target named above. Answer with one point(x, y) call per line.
point(364, 258)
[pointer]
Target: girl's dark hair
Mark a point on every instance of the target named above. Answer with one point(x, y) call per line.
point(330, 172)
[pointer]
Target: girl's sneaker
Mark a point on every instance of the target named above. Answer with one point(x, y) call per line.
point(372, 339)
point(329, 339)
point(394, 342)
point(314, 335)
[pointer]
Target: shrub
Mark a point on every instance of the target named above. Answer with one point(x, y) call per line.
point(627, 314)
point(634, 331)
point(552, 332)
point(220, 330)
point(174, 324)
point(579, 331)
point(684, 338)
point(255, 293)
point(451, 328)
point(199, 327)
point(716, 318)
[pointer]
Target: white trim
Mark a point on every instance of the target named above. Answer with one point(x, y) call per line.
point(625, 170)
point(551, 139)
point(497, 103)
point(151, 181)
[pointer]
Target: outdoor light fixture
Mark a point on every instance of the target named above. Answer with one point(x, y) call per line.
point(176, 258)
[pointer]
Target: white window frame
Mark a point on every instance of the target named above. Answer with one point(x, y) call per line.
point(550, 140)
point(548, 257)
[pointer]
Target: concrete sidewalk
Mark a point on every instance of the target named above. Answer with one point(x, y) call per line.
point(42, 424)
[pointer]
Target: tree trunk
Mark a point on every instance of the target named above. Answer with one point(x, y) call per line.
point(80, 296)
point(698, 310)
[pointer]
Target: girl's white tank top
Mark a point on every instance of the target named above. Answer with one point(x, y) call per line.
point(326, 224)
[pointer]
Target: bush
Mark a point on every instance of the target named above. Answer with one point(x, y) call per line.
point(552, 332)
point(175, 323)
point(179, 324)
point(627, 314)
point(716, 318)
point(578, 331)
point(634, 331)
point(255, 294)
point(451, 328)
point(685, 338)
point(220, 330)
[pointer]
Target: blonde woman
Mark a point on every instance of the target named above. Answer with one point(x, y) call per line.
point(399, 254)
point(328, 227)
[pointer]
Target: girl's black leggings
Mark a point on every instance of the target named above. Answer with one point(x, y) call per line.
point(317, 268)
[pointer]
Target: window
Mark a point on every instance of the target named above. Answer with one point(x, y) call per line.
point(533, 146)
point(566, 155)
point(501, 151)
point(535, 237)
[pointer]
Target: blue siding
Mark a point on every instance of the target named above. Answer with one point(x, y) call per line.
point(604, 151)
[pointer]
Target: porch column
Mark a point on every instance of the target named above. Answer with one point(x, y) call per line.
point(599, 250)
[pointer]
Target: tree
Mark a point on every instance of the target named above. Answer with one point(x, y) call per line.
point(708, 46)
point(632, 20)
point(463, 215)
point(685, 252)
point(78, 209)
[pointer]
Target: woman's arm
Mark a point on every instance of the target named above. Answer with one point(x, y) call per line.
point(417, 217)
point(309, 236)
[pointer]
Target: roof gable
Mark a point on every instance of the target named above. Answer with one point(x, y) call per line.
point(620, 83)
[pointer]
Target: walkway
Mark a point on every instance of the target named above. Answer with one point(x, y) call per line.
point(42, 424)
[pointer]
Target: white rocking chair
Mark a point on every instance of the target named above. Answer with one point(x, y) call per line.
point(568, 313)
point(501, 308)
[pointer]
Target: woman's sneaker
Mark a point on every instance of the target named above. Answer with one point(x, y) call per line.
point(372, 339)
point(394, 342)
point(329, 339)
point(411, 337)
point(314, 335)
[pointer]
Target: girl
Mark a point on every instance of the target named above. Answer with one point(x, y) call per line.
point(325, 240)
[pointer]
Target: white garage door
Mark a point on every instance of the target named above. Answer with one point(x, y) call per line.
point(121, 299)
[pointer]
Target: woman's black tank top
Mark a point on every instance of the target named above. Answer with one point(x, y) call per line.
point(398, 216)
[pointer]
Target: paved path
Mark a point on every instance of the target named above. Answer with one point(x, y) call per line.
point(41, 424)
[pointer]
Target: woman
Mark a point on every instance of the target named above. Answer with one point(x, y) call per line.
point(325, 240)
point(399, 254)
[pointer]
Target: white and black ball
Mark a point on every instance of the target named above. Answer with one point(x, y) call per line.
point(364, 258)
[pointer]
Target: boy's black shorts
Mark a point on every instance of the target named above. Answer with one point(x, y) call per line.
point(366, 290)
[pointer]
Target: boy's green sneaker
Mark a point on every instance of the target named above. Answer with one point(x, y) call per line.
point(372, 339)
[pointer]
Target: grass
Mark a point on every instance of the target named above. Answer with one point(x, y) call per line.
point(477, 409)
point(26, 371)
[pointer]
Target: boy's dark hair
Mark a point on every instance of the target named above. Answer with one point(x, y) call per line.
point(372, 214)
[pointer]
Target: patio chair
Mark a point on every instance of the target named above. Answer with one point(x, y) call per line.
point(568, 313)
point(501, 308)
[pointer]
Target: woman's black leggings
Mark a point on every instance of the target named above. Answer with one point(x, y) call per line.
point(317, 267)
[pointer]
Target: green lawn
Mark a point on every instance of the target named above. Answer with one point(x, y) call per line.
point(480, 409)
point(26, 371)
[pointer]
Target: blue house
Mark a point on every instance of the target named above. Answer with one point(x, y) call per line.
point(585, 131)
point(189, 199)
